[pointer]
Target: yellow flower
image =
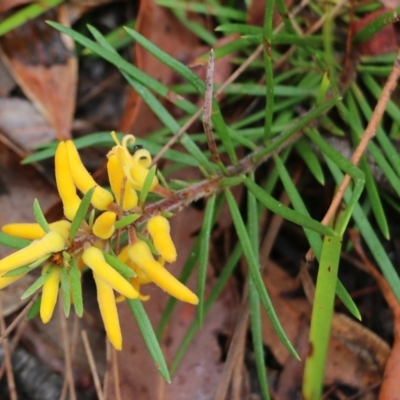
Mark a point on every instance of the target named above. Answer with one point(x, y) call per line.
point(94, 259)
point(119, 182)
point(134, 166)
point(33, 231)
point(158, 228)
point(108, 311)
point(140, 279)
point(82, 179)
point(65, 184)
point(52, 242)
point(103, 227)
point(8, 280)
point(141, 255)
point(49, 293)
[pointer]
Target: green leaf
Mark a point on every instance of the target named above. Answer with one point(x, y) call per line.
point(25, 14)
point(37, 284)
point(13, 242)
point(278, 208)
point(147, 184)
point(27, 268)
point(205, 236)
point(321, 318)
point(119, 266)
point(66, 291)
point(149, 337)
point(255, 272)
point(310, 159)
point(126, 220)
point(35, 309)
point(39, 216)
point(254, 298)
point(76, 287)
point(81, 213)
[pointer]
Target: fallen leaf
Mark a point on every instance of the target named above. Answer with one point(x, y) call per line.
point(42, 62)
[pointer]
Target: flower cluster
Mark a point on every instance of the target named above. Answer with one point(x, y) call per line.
point(64, 253)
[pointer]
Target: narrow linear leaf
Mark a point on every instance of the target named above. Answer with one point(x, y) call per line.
point(39, 216)
point(34, 310)
point(285, 212)
point(127, 220)
point(37, 284)
point(147, 184)
point(76, 287)
point(81, 213)
point(205, 234)
point(255, 272)
point(119, 266)
point(310, 159)
point(27, 268)
point(13, 242)
point(149, 337)
point(66, 291)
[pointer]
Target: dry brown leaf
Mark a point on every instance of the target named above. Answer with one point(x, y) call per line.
point(42, 62)
point(22, 124)
point(390, 385)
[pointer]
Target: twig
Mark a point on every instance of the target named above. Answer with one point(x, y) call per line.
point(115, 374)
point(92, 364)
point(7, 359)
point(368, 134)
point(17, 319)
point(67, 355)
point(208, 98)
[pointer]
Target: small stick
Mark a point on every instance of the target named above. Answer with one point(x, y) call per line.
point(115, 374)
point(16, 321)
point(7, 359)
point(92, 365)
point(67, 348)
point(207, 109)
point(368, 134)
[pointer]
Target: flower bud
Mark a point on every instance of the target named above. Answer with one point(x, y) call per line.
point(141, 255)
point(158, 228)
point(94, 259)
point(102, 198)
point(49, 293)
point(103, 227)
point(117, 179)
point(108, 311)
point(65, 184)
point(52, 242)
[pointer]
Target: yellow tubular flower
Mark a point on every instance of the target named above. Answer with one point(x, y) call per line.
point(142, 157)
point(102, 198)
point(141, 255)
point(158, 228)
point(52, 242)
point(34, 231)
point(141, 278)
point(65, 184)
point(94, 259)
point(108, 311)
point(49, 294)
point(117, 178)
point(103, 227)
point(137, 175)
